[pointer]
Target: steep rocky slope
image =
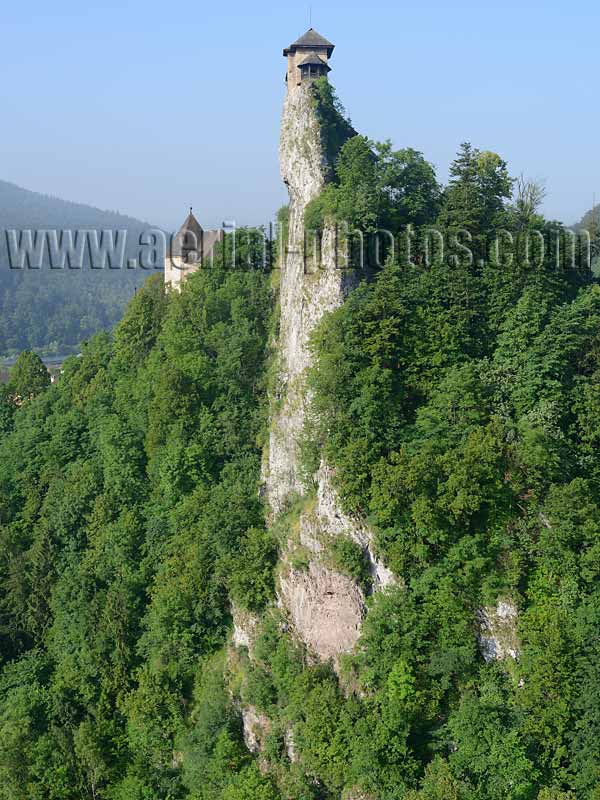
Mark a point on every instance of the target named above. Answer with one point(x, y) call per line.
point(325, 607)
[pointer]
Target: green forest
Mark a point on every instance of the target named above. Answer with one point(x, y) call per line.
point(55, 310)
point(458, 402)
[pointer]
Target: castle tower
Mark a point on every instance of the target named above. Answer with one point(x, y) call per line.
point(190, 248)
point(324, 607)
point(308, 58)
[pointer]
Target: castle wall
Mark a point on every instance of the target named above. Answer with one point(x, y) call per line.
point(293, 71)
point(176, 271)
point(293, 74)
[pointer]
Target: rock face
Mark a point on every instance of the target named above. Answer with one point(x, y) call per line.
point(309, 288)
point(325, 608)
point(334, 521)
point(244, 628)
point(498, 638)
point(256, 727)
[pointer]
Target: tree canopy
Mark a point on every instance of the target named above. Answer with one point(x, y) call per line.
point(456, 402)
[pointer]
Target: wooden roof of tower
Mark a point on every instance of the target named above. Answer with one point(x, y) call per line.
point(314, 58)
point(191, 224)
point(311, 39)
point(188, 237)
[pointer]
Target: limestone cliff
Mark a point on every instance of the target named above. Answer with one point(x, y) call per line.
point(308, 289)
point(322, 608)
point(497, 633)
point(325, 608)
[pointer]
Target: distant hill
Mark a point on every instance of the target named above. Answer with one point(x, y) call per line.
point(54, 309)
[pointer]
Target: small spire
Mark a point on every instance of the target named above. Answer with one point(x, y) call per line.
point(190, 209)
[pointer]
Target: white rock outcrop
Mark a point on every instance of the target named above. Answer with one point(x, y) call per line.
point(336, 522)
point(497, 634)
point(326, 608)
point(244, 627)
point(256, 727)
point(307, 290)
point(290, 745)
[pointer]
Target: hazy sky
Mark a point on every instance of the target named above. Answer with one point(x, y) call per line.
point(147, 107)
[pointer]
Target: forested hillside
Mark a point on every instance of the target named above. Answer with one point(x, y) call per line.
point(130, 509)
point(57, 309)
point(457, 401)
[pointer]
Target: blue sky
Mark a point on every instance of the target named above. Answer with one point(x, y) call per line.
point(147, 107)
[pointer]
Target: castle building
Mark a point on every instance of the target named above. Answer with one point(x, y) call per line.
point(191, 247)
point(308, 58)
